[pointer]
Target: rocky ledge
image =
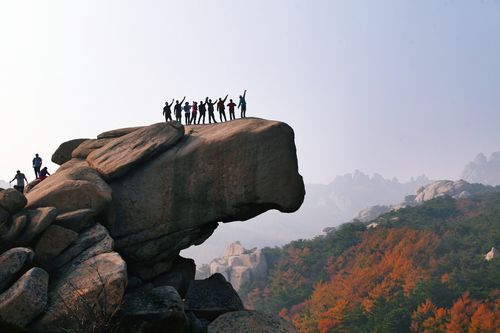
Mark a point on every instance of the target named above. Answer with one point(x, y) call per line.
point(95, 247)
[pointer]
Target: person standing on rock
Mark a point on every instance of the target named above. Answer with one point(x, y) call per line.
point(187, 112)
point(167, 112)
point(21, 178)
point(243, 104)
point(203, 110)
point(194, 113)
point(231, 106)
point(37, 164)
point(211, 111)
point(221, 108)
point(178, 109)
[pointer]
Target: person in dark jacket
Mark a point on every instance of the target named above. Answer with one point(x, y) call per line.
point(37, 164)
point(243, 105)
point(43, 174)
point(221, 108)
point(231, 106)
point(167, 112)
point(202, 108)
point(187, 112)
point(210, 106)
point(178, 109)
point(194, 113)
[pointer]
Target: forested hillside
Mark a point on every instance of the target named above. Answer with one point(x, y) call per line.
point(421, 269)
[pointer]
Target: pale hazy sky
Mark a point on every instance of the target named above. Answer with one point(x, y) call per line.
point(396, 87)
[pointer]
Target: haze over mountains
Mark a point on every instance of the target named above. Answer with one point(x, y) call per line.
point(483, 170)
point(324, 206)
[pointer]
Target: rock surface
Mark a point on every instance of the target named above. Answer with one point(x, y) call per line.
point(12, 200)
point(224, 172)
point(92, 292)
point(26, 299)
point(212, 297)
point(119, 155)
point(74, 186)
point(239, 265)
point(64, 151)
point(12, 263)
point(153, 310)
point(250, 322)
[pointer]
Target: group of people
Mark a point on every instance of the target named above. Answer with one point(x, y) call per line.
point(192, 111)
point(40, 174)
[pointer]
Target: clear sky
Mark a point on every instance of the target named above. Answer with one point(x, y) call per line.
point(396, 87)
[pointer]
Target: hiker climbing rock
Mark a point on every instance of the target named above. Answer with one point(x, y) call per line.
point(243, 104)
point(43, 174)
point(221, 108)
point(167, 112)
point(178, 109)
point(231, 106)
point(20, 178)
point(210, 110)
point(37, 164)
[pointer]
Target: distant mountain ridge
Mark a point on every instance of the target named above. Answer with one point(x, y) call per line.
point(483, 170)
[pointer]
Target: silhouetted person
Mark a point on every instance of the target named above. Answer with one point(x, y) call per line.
point(202, 108)
point(178, 109)
point(221, 108)
point(194, 113)
point(211, 111)
point(243, 105)
point(37, 164)
point(21, 178)
point(43, 174)
point(167, 112)
point(187, 112)
point(231, 106)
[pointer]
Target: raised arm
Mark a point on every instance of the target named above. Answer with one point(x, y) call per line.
point(172, 103)
point(224, 100)
point(244, 93)
point(183, 100)
point(206, 100)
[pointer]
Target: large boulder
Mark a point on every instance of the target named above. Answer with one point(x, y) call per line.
point(250, 322)
point(179, 276)
point(116, 133)
point(76, 220)
point(52, 242)
point(64, 151)
point(224, 172)
point(12, 200)
point(120, 155)
point(212, 297)
point(150, 310)
point(38, 220)
point(25, 299)
point(12, 263)
point(74, 186)
point(86, 297)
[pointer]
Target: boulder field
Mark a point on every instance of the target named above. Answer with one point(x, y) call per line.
point(95, 247)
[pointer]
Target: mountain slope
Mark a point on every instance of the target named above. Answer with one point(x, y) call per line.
point(422, 266)
point(483, 170)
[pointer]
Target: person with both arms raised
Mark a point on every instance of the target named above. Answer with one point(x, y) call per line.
point(211, 111)
point(178, 109)
point(167, 112)
point(221, 108)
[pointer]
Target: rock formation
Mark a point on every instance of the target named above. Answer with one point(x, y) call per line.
point(95, 246)
point(440, 188)
point(239, 265)
point(492, 254)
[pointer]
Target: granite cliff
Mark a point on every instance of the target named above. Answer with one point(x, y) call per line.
point(95, 247)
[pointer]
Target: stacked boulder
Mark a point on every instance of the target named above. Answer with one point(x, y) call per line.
point(95, 247)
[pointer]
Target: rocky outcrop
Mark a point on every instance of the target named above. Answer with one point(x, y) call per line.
point(456, 189)
point(250, 322)
point(122, 206)
point(239, 265)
